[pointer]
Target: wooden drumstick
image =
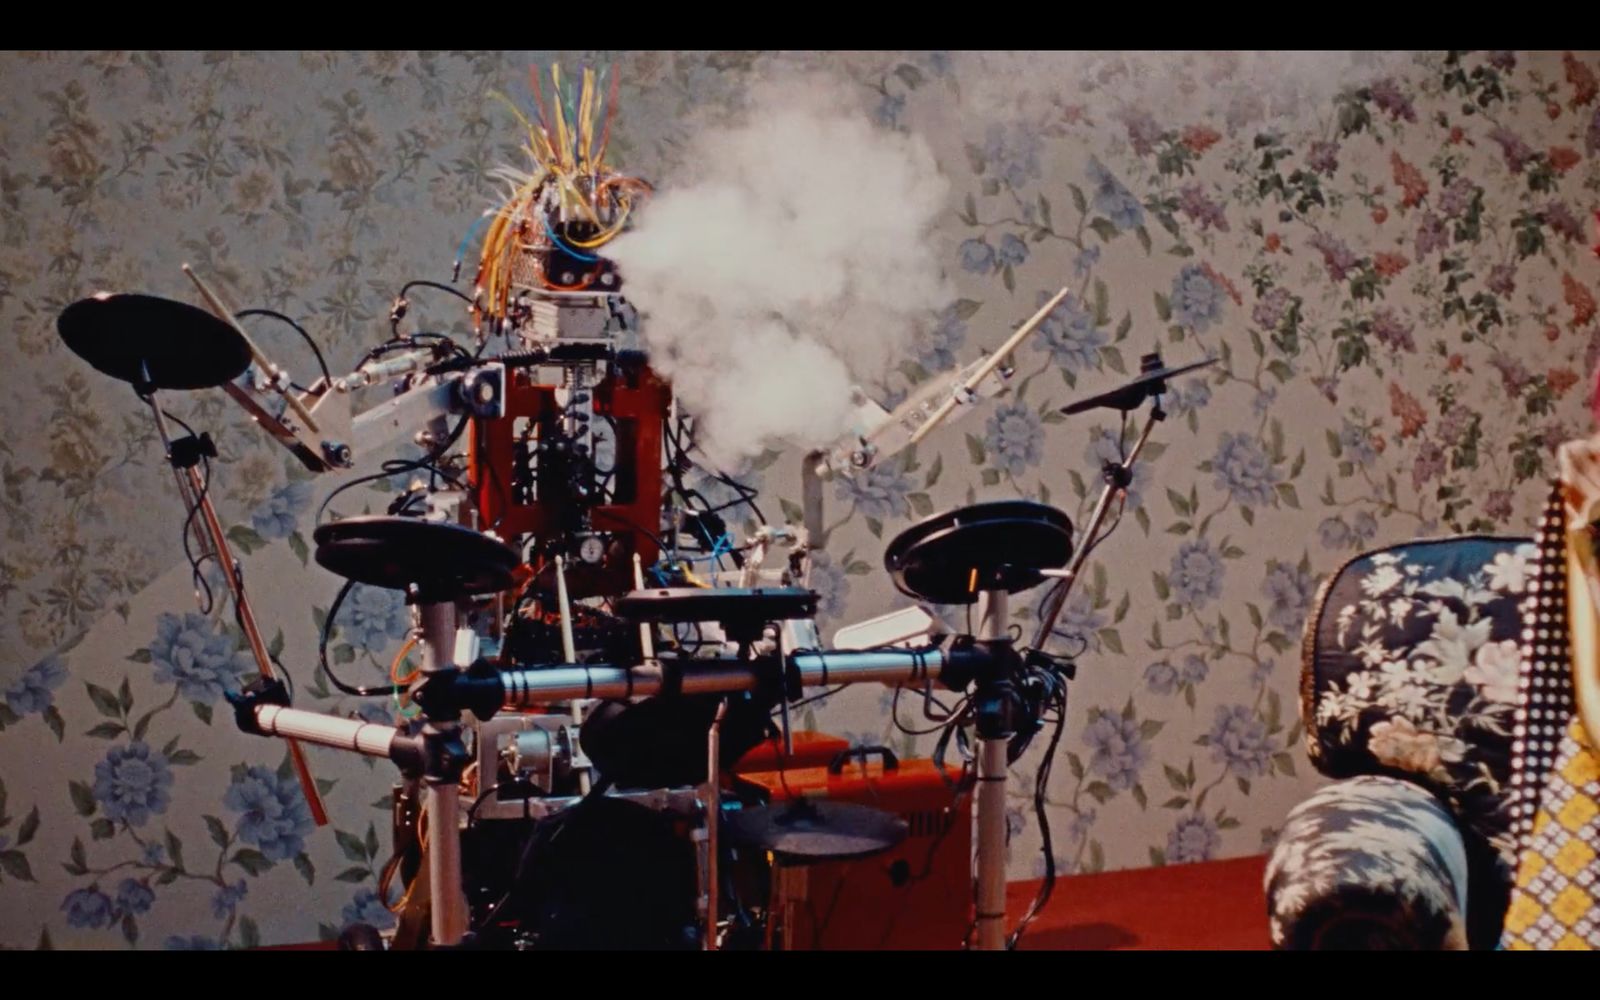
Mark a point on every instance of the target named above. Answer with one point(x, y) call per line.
point(226, 316)
point(994, 361)
point(252, 633)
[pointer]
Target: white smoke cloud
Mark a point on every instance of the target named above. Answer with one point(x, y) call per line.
point(789, 260)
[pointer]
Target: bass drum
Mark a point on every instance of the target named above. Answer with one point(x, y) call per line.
point(661, 742)
point(606, 874)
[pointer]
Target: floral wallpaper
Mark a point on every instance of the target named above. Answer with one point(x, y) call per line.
point(1393, 268)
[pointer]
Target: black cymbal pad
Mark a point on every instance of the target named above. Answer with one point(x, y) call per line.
point(720, 604)
point(806, 830)
point(154, 343)
point(952, 557)
point(443, 561)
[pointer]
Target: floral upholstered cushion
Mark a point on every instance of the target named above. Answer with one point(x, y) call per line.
point(1411, 663)
point(1367, 863)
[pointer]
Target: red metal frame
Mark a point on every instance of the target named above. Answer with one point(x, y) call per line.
point(638, 402)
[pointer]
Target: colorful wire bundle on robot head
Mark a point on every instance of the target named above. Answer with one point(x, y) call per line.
point(568, 181)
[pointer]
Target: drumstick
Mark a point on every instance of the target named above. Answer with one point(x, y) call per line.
point(994, 360)
point(255, 352)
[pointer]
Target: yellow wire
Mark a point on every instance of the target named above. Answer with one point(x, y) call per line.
point(585, 130)
point(562, 139)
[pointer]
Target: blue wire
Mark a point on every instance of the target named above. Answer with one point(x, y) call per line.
point(723, 546)
point(557, 241)
point(462, 249)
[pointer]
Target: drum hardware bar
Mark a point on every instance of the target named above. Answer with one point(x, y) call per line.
point(1118, 477)
point(214, 542)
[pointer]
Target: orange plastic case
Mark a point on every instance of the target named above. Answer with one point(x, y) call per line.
point(810, 750)
point(915, 897)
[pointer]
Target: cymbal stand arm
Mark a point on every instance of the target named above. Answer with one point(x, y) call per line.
point(1117, 477)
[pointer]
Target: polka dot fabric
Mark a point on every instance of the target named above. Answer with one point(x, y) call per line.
point(1555, 903)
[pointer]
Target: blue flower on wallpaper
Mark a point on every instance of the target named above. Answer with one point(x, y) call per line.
point(1196, 574)
point(1263, 400)
point(34, 690)
point(371, 618)
point(1111, 199)
point(367, 908)
point(1079, 824)
point(1239, 740)
point(193, 942)
point(1262, 672)
point(1119, 750)
point(1290, 590)
point(1078, 621)
point(858, 738)
point(1015, 438)
point(936, 350)
point(977, 256)
point(1192, 395)
point(133, 783)
point(1085, 261)
point(1161, 678)
point(191, 652)
point(889, 110)
point(1102, 449)
point(1196, 299)
point(1069, 336)
point(1016, 822)
point(1011, 251)
point(134, 896)
point(1195, 669)
point(831, 583)
point(376, 712)
point(1243, 468)
point(1195, 838)
point(939, 63)
point(1356, 444)
point(226, 899)
point(273, 813)
point(1011, 152)
point(881, 493)
point(88, 908)
point(280, 514)
point(1334, 533)
point(154, 854)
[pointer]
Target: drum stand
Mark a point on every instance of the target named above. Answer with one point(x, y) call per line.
point(201, 519)
point(993, 700)
point(444, 759)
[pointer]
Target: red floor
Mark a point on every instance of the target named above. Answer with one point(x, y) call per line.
point(1217, 905)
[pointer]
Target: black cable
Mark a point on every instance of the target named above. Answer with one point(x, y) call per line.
point(630, 522)
point(397, 467)
point(746, 494)
point(327, 377)
point(596, 792)
point(288, 679)
point(811, 698)
point(422, 283)
point(198, 575)
point(894, 716)
point(472, 811)
point(322, 654)
point(1041, 784)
